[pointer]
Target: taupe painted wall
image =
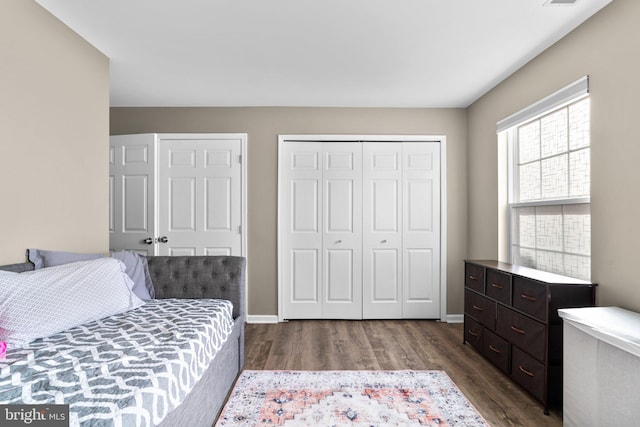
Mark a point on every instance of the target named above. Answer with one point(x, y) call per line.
point(607, 48)
point(263, 125)
point(54, 118)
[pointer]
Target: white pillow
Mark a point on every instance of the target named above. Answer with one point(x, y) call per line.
point(39, 303)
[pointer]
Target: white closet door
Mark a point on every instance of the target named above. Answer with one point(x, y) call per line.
point(342, 237)
point(421, 230)
point(382, 230)
point(199, 203)
point(301, 219)
point(131, 193)
point(359, 229)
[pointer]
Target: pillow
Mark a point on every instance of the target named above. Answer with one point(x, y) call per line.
point(41, 258)
point(39, 303)
point(138, 270)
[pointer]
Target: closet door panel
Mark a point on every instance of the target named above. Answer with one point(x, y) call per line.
point(421, 231)
point(382, 225)
point(342, 231)
point(301, 230)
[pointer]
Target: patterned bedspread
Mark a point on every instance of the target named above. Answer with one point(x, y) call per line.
point(130, 369)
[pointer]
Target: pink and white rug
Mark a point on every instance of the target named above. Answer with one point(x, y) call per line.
point(348, 398)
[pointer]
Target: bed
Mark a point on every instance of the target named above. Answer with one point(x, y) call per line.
point(169, 362)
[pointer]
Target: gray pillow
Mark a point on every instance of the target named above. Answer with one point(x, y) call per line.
point(42, 258)
point(138, 271)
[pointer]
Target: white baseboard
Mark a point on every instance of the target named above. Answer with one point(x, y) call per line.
point(455, 318)
point(261, 319)
point(451, 318)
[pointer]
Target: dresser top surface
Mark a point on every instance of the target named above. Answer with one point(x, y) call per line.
point(613, 325)
point(530, 273)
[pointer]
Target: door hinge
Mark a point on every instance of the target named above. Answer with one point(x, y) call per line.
point(240, 158)
point(239, 229)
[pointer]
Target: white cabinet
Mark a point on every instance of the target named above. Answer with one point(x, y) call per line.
point(601, 367)
point(359, 229)
point(178, 194)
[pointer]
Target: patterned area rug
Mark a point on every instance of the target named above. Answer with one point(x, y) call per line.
point(348, 398)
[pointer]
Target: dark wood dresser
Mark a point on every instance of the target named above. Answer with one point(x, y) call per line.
point(511, 318)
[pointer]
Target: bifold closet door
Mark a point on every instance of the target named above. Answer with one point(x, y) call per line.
point(359, 230)
point(401, 230)
point(321, 230)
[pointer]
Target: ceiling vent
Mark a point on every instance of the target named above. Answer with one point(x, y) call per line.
point(560, 2)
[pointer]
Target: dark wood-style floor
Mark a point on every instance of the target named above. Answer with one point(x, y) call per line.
point(393, 345)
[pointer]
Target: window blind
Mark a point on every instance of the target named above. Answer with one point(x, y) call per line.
point(567, 94)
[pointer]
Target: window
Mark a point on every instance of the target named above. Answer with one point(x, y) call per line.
point(549, 184)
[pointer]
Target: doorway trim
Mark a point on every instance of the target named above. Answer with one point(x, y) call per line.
point(441, 139)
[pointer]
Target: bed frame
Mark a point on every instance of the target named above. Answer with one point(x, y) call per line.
point(200, 277)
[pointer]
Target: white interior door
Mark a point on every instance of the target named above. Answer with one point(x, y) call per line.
point(132, 193)
point(421, 230)
point(199, 196)
point(382, 230)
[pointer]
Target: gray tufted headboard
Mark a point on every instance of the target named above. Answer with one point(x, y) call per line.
point(200, 277)
point(18, 268)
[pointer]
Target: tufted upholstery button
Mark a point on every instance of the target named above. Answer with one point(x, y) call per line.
point(204, 289)
point(232, 275)
point(184, 289)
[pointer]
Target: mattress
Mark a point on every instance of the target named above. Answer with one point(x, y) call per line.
point(130, 369)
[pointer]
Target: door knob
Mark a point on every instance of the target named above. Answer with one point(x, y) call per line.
point(163, 239)
point(384, 241)
point(148, 241)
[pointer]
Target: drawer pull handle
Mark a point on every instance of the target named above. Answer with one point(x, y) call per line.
point(524, 371)
point(518, 330)
point(528, 298)
point(472, 277)
point(473, 334)
point(495, 350)
point(495, 285)
point(478, 308)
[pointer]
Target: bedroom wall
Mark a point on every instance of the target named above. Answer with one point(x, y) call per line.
point(263, 126)
point(607, 49)
point(54, 117)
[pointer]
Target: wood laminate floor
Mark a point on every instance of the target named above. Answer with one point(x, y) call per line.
point(393, 345)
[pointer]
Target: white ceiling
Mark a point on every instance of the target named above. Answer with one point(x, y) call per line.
point(343, 53)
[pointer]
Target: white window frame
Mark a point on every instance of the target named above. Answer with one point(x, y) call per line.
point(568, 95)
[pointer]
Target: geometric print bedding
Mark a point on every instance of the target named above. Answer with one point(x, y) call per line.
point(130, 369)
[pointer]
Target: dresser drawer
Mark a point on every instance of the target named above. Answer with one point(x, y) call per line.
point(474, 277)
point(526, 333)
point(528, 372)
point(530, 297)
point(499, 286)
point(473, 332)
point(480, 308)
point(497, 350)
